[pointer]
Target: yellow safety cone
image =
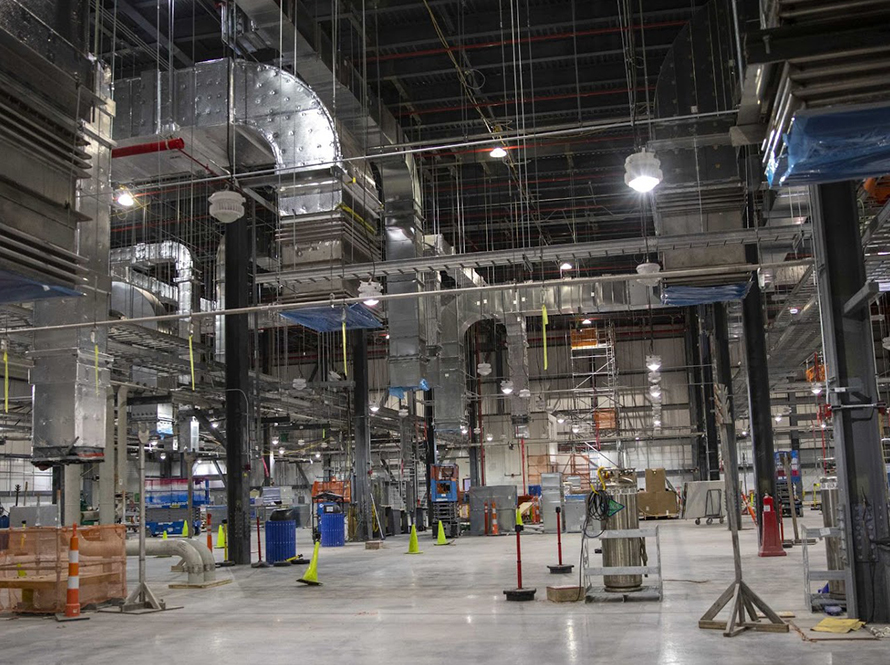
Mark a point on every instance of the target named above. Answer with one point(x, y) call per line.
point(221, 538)
point(164, 537)
point(413, 547)
point(441, 540)
point(185, 529)
point(311, 575)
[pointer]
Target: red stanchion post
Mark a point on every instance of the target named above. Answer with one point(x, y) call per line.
point(560, 568)
point(259, 544)
point(519, 593)
point(209, 533)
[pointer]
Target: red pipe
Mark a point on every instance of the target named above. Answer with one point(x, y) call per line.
point(518, 558)
point(148, 148)
point(522, 40)
point(559, 533)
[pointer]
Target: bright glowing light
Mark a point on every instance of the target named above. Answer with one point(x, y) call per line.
point(778, 419)
point(125, 199)
point(163, 455)
point(281, 451)
point(642, 171)
point(370, 292)
point(656, 423)
point(560, 420)
point(575, 429)
point(214, 425)
point(586, 322)
point(489, 437)
point(817, 390)
point(497, 152)
point(374, 408)
point(824, 426)
point(317, 455)
point(565, 265)
point(653, 363)
point(506, 386)
point(794, 310)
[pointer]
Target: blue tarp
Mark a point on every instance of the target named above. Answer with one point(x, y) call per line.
point(828, 145)
point(329, 319)
point(682, 296)
point(16, 288)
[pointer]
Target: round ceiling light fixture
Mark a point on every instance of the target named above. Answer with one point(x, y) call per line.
point(560, 419)
point(374, 408)
point(226, 206)
point(497, 152)
point(565, 265)
point(576, 429)
point(586, 322)
point(484, 369)
point(370, 292)
point(650, 270)
point(653, 362)
point(506, 386)
point(642, 171)
point(525, 393)
point(794, 310)
point(489, 437)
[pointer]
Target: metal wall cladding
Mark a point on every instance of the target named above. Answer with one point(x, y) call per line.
point(276, 105)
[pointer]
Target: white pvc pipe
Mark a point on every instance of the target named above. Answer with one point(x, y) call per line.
point(194, 565)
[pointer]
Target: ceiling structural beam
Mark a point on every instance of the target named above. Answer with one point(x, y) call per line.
point(550, 253)
point(162, 40)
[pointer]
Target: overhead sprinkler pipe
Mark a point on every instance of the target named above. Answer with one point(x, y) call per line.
point(148, 148)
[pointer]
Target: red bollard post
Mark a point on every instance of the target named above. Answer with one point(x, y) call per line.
point(259, 544)
point(209, 534)
point(519, 593)
point(560, 568)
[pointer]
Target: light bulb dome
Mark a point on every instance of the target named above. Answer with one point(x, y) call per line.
point(226, 206)
point(642, 171)
point(506, 386)
point(497, 152)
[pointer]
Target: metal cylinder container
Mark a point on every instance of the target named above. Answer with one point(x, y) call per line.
point(622, 487)
point(833, 552)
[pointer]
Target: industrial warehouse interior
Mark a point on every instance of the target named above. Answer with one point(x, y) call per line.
point(423, 331)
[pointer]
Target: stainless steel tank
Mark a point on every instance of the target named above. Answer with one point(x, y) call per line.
point(622, 487)
point(833, 551)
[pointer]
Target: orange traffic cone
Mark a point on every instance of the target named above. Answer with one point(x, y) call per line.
point(494, 520)
point(770, 541)
point(72, 600)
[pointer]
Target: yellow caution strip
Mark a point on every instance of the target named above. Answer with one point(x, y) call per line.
point(192, 360)
point(345, 368)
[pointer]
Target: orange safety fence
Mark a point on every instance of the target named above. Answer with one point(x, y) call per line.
point(341, 487)
point(34, 567)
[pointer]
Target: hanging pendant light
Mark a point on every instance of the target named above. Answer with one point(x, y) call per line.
point(653, 362)
point(370, 292)
point(506, 386)
point(497, 152)
point(484, 369)
point(226, 206)
point(642, 171)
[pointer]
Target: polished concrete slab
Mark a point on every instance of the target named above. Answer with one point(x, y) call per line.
point(444, 606)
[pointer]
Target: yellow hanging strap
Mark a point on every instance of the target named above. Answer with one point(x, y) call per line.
point(95, 359)
point(192, 355)
point(5, 378)
point(544, 319)
point(345, 368)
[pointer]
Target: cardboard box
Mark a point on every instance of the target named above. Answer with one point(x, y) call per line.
point(656, 480)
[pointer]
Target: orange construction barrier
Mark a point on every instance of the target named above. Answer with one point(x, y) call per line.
point(72, 602)
point(494, 519)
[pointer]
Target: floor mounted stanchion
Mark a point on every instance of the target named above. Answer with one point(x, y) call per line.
point(560, 568)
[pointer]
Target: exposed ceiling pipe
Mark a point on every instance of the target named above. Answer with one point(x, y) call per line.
point(148, 148)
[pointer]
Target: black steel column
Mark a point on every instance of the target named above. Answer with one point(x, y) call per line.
point(237, 389)
point(694, 382)
point(759, 408)
point(853, 395)
point(362, 459)
point(794, 423)
point(705, 322)
point(472, 413)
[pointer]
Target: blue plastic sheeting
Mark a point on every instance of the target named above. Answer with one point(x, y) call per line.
point(16, 288)
point(830, 146)
point(682, 296)
point(399, 392)
point(330, 319)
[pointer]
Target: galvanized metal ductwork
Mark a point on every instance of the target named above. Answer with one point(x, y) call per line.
point(404, 240)
point(701, 191)
point(328, 208)
point(517, 360)
point(460, 312)
point(146, 255)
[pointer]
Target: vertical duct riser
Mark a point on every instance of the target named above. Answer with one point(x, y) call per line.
point(403, 228)
point(517, 359)
point(69, 412)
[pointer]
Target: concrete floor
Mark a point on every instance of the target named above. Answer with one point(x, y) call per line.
point(444, 606)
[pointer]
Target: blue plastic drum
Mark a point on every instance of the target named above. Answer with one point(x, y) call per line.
point(333, 529)
point(281, 540)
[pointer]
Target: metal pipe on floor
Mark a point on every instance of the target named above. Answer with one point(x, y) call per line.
point(194, 565)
